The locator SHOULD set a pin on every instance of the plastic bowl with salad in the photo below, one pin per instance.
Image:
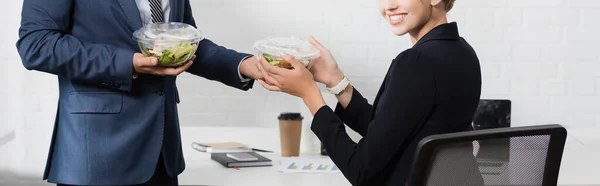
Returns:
(172, 43)
(273, 47)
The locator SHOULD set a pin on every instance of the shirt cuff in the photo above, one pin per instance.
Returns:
(242, 78)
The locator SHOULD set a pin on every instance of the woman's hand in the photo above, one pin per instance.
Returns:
(325, 69)
(297, 81)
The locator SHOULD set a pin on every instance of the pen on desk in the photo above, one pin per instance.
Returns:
(260, 150)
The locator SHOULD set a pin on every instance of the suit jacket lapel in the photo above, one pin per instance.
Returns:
(132, 13)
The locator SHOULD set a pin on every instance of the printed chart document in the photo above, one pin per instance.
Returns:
(308, 165)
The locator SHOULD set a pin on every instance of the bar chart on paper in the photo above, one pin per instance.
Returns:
(308, 165)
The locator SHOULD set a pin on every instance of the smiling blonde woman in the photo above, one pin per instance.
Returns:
(431, 88)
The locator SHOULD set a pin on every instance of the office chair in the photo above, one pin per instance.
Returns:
(458, 159)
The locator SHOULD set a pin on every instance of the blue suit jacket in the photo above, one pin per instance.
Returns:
(110, 128)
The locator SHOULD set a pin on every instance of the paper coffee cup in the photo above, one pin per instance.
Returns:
(290, 131)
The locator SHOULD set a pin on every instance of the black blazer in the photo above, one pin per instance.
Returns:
(432, 88)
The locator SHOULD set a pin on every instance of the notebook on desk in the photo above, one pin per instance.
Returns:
(228, 162)
(221, 147)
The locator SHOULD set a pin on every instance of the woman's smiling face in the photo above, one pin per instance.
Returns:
(405, 15)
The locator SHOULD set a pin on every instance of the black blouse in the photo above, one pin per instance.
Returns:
(432, 88)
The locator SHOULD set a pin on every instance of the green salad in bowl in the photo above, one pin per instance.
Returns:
(172, 43)
(171, 56)
(279, 62)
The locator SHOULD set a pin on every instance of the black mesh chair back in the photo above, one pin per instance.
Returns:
(515, 156)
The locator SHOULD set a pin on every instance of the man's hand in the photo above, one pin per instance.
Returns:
(249, 68)
(148, 65)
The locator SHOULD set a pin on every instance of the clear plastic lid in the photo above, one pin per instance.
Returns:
(275, 46)
(167, 32)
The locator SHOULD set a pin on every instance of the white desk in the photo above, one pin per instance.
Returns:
(581, 158)
(203, 171)
(579, 165)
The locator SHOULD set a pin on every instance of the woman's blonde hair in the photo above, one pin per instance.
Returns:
(449, 5)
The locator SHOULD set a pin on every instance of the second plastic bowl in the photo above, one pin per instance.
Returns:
(271, 49)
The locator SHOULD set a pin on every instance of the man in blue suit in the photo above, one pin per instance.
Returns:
(116, 120)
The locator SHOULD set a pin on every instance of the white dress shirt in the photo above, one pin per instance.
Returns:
(144, 7)
(146, 15)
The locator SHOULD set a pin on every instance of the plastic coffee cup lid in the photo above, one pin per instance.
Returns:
(290, 116)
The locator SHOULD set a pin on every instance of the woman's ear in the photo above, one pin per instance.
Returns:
(435, 3)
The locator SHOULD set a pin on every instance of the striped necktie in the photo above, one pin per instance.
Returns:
(156, 10)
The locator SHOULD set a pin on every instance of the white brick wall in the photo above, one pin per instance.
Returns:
(584, 3)
(12, 86)
(542, 54)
